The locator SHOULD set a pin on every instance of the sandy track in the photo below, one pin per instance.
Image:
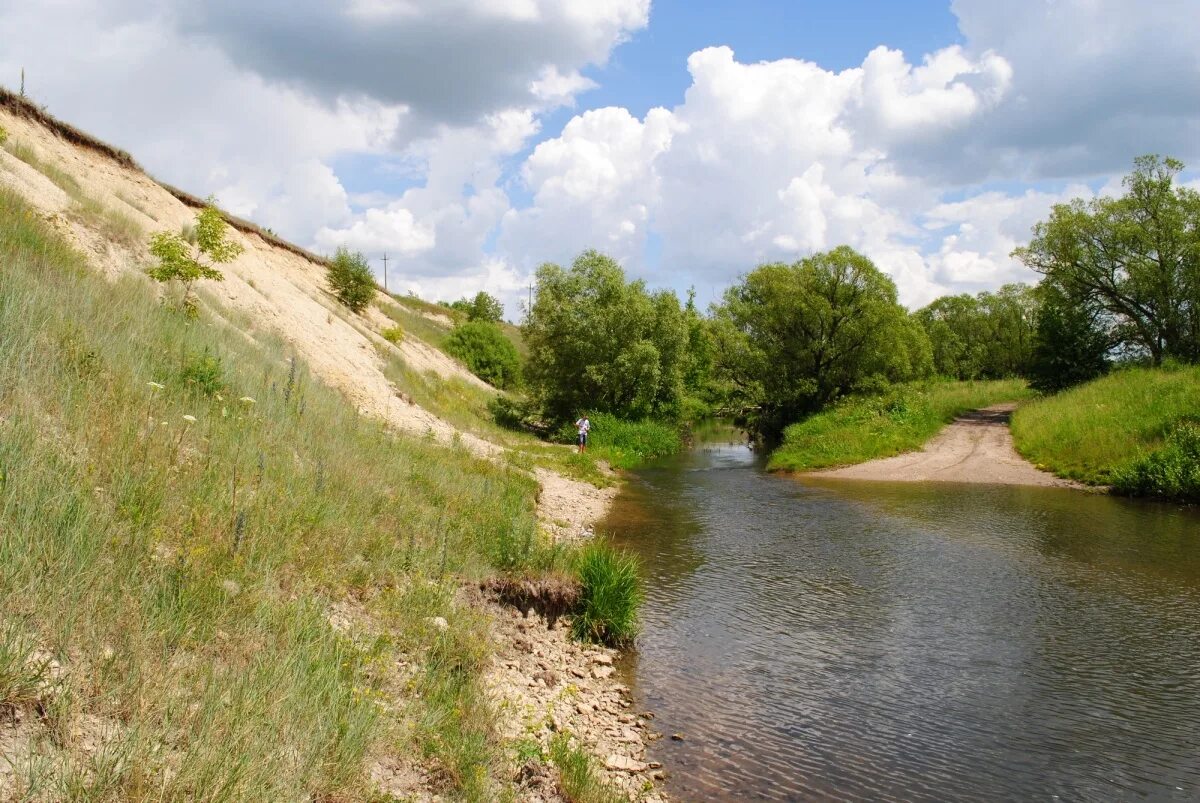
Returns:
(976, 448)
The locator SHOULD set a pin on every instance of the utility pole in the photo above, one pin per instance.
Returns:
(385, 271)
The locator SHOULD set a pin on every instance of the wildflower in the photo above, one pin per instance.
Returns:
(247, 400)
(155, 386)
(191, 419)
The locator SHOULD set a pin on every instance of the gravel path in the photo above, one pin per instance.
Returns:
(977, 448)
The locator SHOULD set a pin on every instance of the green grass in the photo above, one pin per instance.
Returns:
(610, 596)
(180, 570)
(579, 780)
(1091, 432)
(626, 444)
(1171, 472)
(859, 429)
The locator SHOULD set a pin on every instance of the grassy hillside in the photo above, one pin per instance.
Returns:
(901, 420)
(179, 509)
(1091, 432)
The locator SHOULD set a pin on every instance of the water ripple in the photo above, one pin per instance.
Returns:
(875, 642)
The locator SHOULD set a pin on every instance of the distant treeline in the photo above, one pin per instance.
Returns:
(1121, 283)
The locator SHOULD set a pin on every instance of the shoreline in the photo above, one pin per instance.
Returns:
(544, 683)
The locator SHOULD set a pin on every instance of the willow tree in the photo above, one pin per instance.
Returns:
(793, 338)
(600, 343)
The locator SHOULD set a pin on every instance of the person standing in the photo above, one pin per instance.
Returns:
(584, 426)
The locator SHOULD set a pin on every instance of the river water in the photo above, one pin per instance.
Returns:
(879, 641)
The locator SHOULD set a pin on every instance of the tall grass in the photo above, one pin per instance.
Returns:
(626, 444)
(902, 419)
(1171, 472)
(178, 510)
(1089, 433)
(610, 596)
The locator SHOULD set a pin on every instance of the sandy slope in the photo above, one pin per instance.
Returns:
(976, 448)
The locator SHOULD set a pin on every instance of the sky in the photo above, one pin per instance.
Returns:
(472, 140)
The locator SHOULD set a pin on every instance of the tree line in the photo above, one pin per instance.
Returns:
(1120, 283)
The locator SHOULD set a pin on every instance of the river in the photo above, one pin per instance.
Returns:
(879, 641)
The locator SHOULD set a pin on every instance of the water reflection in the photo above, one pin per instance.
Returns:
(910, 642)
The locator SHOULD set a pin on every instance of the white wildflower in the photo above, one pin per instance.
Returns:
(191, 419)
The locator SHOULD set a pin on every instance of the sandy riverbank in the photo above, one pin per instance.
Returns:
(975, 448)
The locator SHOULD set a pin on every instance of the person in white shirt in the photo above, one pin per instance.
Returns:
(584, 426)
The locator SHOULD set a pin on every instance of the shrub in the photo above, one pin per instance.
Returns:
(181, 261)
(487, 352)
(1172, 472)
(203, 374)
(610, 596)
(393, 335)
(3, 135)
(351, 280)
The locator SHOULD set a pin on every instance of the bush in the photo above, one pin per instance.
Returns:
(1172, 472)
(610, 596)
(626, 444)
(3, 136)
(487, 352)
(203, 374)
(351, 280)
(393, 335)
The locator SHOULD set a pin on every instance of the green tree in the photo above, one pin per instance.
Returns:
(487, 352)
(350, 279)
(1136, 258)
(180, 261)
(483, 307)
(1070, 346)
(598, 342)
(793, 338)
(985, 336)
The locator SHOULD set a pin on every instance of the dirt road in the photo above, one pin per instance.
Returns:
(975, 448)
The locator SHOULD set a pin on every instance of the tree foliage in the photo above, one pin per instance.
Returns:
(487, 352)
(987, 336)
(180, 261)
(483, 307)
(792, 338)
(1136, 258)
(350, 279)
(600, 343)
(1069, 345)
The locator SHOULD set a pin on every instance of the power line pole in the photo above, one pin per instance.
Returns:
(385, 271)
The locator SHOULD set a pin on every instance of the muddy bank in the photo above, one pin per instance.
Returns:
(975, 448)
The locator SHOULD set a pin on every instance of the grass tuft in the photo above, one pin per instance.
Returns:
(610, 595)
(579, 780)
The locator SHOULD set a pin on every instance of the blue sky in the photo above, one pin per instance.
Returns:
(474, 139)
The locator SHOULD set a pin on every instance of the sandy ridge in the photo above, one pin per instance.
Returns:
(279, 291)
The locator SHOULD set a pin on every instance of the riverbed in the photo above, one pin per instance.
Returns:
(848, 640)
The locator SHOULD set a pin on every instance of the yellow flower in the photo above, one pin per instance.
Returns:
(155, 386)
(191, 419)
(247, 400)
